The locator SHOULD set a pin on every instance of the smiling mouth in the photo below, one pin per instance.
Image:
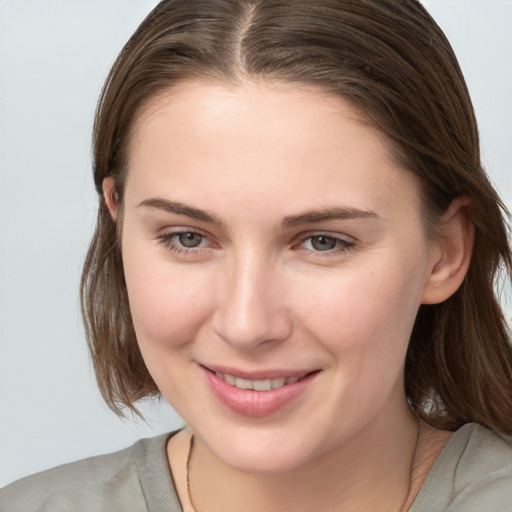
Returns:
(259, 385)
(258, 397)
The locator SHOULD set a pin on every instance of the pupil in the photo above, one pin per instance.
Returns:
(323, 243)
(190, 239)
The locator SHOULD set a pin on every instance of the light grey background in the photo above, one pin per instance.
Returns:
(54, 56)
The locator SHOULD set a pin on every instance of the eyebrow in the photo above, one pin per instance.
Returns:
(336, 213)
(181, 209)
(309, 217)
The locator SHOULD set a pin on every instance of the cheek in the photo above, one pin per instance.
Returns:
(365, 315)
(168, 304)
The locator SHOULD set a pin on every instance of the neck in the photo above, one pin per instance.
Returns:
(370, 470)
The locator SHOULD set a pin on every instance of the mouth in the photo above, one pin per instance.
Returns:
(265, 394)
(260, 384)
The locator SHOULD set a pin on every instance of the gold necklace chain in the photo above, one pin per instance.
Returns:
(401, 509)
(189, 456)
(411, 467)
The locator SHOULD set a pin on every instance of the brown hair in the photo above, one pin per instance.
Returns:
(389, 59)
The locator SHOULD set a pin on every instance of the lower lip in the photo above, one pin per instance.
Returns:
(256, 404)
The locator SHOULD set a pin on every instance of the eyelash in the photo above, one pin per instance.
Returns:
(168, 240)
(341, 245)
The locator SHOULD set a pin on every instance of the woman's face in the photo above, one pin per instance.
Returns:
(270, 242)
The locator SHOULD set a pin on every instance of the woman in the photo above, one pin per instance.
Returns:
(296, 245)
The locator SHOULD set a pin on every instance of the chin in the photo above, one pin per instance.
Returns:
(254, 460)
(261, 451)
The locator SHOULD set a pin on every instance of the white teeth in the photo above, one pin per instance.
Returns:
(243, 383)
(262, 385)
(230, 379)
(278, 383)
(258, 385)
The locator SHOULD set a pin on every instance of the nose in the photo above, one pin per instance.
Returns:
(251, 310)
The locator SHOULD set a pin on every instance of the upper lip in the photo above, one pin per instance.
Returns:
(258, 374)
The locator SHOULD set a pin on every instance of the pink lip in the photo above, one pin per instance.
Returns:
(256, 404)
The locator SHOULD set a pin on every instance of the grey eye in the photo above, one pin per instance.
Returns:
(190, 240)
(323, 243)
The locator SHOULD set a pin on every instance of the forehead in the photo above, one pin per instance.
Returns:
(255, 106)
(261, 141)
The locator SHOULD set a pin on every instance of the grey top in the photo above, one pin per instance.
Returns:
(472, 474)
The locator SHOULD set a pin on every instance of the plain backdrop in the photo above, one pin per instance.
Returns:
(54, 56)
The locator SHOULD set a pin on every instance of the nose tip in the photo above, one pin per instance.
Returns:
(246, 333)
(251, 312)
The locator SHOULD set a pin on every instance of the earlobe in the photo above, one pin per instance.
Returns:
(450, 254)
(110, 196)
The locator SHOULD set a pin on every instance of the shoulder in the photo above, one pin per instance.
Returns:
(473, 473)
(483, 475)
(105, 482)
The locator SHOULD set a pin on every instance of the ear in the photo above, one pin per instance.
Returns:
(450, 253)
(111, 197)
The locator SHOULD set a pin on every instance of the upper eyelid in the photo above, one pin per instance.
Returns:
(303, 235)
(177, 230)
(329, 234)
